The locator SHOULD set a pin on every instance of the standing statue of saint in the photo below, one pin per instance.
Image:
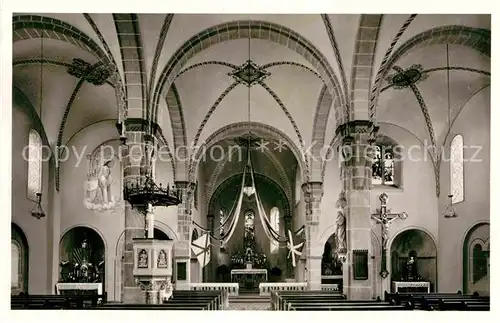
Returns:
(341, 223)
(105, 181)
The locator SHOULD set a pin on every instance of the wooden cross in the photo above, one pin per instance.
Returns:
(385, 218)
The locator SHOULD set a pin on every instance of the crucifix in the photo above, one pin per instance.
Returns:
(385, 218)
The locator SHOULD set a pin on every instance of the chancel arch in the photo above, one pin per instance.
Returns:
(19, 261)
(239, 130)
(413, 257)
(476, 260)
(249, 230)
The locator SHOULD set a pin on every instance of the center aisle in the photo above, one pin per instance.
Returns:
(249, 302)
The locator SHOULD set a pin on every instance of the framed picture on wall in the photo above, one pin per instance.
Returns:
(181, 271)
(360, 264)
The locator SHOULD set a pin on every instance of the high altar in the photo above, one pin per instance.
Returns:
(249, 277)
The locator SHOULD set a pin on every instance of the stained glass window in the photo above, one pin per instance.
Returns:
(383, 166)
(249, 224)
(275, 223)
(457, 168)
(34, 164)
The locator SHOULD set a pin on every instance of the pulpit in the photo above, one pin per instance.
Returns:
(153, 268)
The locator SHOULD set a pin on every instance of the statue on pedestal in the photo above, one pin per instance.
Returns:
(341, 224)
(410, 270)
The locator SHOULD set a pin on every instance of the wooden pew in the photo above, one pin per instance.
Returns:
(439, 301)
(402, 298)
(165, 306)
(431, 302)
(218, 299)
(464, 305)
(321, 301)
(55, 301)
(349, 307)
(181, 300)
(280, 300)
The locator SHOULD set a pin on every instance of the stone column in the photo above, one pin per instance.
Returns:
(54, 232)
(132, 153)
(182, 249)
(356, 182)
(313, 192)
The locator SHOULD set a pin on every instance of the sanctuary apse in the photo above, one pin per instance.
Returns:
(250, 153)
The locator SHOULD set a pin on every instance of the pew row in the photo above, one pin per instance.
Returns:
(321, 301)
(181, 300)
(53, 302)
(440, 301)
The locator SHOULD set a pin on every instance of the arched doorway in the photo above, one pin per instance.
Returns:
(416, 244)
(331, 266)
(19, 260)
(82, 255)
(476, 260)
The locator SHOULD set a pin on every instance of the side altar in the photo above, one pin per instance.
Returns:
(411, 281)
(82, 274)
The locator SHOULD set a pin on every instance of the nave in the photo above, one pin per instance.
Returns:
(251, 161)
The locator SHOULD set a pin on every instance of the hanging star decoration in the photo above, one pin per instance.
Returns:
(294, 249)
(280, 145)
(201, 249)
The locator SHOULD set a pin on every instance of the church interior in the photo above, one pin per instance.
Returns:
(335, 157)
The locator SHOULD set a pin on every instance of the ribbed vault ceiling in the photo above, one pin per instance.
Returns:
(339, 55)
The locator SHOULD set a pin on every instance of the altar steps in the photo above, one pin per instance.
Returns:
(248, 301)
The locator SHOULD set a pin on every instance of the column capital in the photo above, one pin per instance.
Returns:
(185, 185)
(312, 188)
(350, 128)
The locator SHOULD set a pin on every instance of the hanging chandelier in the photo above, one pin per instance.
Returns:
(143, 193)
(449, 212)
(37, 210)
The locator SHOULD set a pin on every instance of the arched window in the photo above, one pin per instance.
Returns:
(34, 164)
(19, 261)
(457, 169)
(275, 224)
(249, 224)
(15, 272)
